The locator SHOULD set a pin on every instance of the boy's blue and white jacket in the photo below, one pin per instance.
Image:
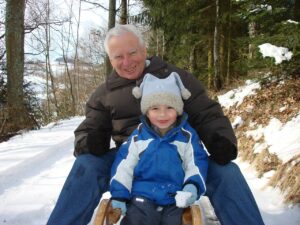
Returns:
(155, 167)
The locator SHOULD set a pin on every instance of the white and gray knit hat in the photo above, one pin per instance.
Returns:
(168, 91)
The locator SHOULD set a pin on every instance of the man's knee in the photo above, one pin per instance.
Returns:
(87, 160)
(93, 169)
(222, 179)
(91, 164)
(223, 171)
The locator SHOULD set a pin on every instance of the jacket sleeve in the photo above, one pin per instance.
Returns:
(123, 168)
(196, 163)
(207, 118)
(93, 135)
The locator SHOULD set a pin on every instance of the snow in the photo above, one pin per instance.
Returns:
(237, 122)
(35, 164)
(38, 85)
(269, 200)
(237, 96)
(292, 21)
(279, 53)
(276, 131)
(280, 139)
(32, 170)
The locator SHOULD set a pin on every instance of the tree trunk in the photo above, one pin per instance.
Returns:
(192, 61)
(210, 65)
(157, 42)
(123, 19)
(224, 13)
(297, 10)
(217, 66)
(111, 24)
(222, 54)
(72, 110)
(228, 72)
(18, 117)
(70, 104)
(192, 58)
(252, 33)
(48, 66)
(78, 108)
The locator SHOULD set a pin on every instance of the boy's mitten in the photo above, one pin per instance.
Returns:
(187, 196)
(119, 205)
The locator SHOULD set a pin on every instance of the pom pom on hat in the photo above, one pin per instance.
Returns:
(137, 92)
(168, 91)
(185, 93)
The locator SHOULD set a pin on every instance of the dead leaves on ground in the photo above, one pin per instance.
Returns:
(280, 100)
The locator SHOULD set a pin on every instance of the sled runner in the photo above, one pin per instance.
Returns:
(106, 215)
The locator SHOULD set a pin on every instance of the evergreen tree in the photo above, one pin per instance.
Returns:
(271, 23)
(183, 34)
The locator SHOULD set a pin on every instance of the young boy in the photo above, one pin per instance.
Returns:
(162, 167)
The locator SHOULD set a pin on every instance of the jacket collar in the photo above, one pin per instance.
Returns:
(115, 81)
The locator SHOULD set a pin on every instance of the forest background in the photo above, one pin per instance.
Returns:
(218, 41)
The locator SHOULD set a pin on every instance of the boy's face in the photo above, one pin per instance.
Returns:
(162, 116)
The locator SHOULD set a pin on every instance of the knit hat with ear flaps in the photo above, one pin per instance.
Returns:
(168, 91)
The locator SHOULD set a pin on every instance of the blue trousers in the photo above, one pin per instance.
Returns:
(89, 177)
(146, 212)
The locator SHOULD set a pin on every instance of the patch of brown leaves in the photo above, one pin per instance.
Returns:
(282, 101)
(287, 179)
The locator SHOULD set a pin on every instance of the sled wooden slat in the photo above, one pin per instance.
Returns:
(106, 215)
(196, 215)
(192, 216)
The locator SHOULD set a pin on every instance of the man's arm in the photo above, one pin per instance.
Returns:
(94, 133)
(207, 118)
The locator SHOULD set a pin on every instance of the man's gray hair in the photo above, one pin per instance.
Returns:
(119, 30)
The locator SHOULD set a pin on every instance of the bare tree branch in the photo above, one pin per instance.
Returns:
(96, 4)
(30, 28)
(3, 54)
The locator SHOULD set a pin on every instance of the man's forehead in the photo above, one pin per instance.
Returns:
(120, 51)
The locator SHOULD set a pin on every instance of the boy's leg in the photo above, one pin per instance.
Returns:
(231, 196)
(80, 195)
(141, 211)
(171, 215)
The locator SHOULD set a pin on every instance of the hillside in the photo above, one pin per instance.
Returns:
(270, 105)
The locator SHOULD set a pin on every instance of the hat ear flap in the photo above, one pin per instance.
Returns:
(185, 93)
(137, 92)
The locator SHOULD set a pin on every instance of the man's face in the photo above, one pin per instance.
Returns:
(127, 56)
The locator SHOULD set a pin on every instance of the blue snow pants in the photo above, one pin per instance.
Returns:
(141, 211)
(89, 178)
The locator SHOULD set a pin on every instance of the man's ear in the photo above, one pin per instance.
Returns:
(145, 52)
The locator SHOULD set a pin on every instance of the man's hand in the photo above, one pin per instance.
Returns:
(97, 145)
(223, 150)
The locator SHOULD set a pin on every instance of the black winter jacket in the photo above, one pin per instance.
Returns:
(113, 112)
